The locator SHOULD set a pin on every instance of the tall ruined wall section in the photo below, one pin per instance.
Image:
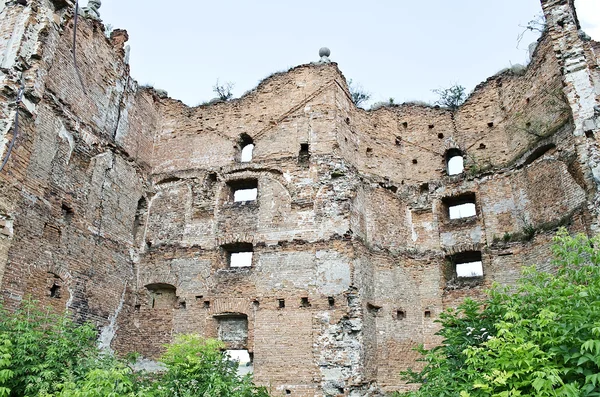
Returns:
(70, 189)
(351, 238)
(120, 205)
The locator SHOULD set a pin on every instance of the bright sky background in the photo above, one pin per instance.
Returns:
(392, 48)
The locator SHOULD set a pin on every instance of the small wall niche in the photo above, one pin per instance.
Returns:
(243, 190)
(281, 303)
(239, 255)
(460, 207)
(304, 154)
(233, 329)
(162, 296)
(454, 162)
(67, 213)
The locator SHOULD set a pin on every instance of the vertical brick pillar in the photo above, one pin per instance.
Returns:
(581, 85)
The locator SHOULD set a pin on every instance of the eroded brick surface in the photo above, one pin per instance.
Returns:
(117, 203)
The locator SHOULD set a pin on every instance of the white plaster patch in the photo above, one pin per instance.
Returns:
(108, 333)
(333, 273)
(64, 134)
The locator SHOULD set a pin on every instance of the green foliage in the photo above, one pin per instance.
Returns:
(48, 355)
(540, 339)
(451, 97)
(198, 367)
(42, 349)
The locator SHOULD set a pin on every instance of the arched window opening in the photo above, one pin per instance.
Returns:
(246, 145)
(454, 162)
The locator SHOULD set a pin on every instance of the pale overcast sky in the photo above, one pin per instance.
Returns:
(392, 48)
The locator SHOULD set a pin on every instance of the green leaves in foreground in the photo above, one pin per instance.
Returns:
(48, 355)
(540, 339)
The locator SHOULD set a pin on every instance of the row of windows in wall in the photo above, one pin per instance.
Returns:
(466, 264)
(454, 157)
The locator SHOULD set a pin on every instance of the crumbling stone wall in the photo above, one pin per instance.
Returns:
(117, 203)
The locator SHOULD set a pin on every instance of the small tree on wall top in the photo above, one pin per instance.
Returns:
(451, 97)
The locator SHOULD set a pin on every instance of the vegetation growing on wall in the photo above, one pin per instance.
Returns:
(540, 339)
(48, 355)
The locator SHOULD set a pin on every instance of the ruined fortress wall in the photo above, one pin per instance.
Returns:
(117, 203)
(73, 181)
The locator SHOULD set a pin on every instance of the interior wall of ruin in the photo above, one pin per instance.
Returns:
(118, 203)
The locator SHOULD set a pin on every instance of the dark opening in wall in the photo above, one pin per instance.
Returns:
(55, 291)
(466, 264)
(490, 124)
(427, 313)
(246, 146)
(138, 221)
(441, 136)
(482, 146)
(405, 124)
(182, 305)
(398, 141)
(243, 190)
(281, 303)
(459, 207)
(206, 304)
(369, 152)
(454, 162)
(424, 188)
(414, 161)
(400, 315)
(539, 152)
(303, 154)
(331, 301)
(288, 391)
(256, 303)
(373, 309)
(304, 302)
(239, 254)
(431, 126)
(67, 213)
(589, 134)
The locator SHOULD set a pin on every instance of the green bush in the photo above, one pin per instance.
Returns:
(48, 355)
(540, 339)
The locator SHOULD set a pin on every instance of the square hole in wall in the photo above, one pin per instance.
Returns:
(462, 206)
(243, 190)
(239, 255)
(467, 264)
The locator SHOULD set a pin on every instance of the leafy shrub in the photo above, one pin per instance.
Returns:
(451, 97)
(48, 355)
(541, 339)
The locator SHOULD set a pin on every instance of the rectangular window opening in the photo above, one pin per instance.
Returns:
(281, 303)
(239, 255)
(460, 207)
(244, 190)
(468, 264)
(304, 302)
(244, 360)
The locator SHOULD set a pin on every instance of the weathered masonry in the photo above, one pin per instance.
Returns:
(319, 239)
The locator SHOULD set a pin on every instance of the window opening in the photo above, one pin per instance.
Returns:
(427, 314)
(247, 153)
(331, 301)
(461, 207)
(281, 303)
(400, 315)
(243, 358)
(239, 255)
(468, 264)
(246, 145)
(244, 190)
(304, 302)
(454, 162)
